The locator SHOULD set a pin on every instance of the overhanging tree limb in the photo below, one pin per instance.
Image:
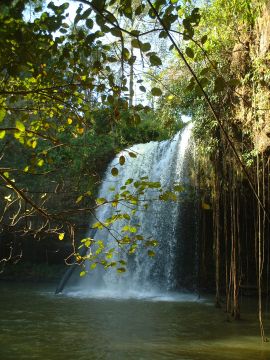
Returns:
(211, 108)
(23, 196)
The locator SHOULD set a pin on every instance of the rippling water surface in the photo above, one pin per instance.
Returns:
(36, 324)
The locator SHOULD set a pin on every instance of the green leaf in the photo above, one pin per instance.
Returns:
(151, 253)
(125, 228)
(93, 266)
(142, 88)
(204, 39)
(151, 243)
(100, 201)
(97, 225)
(82, 273)
(178, 188)
(156, 91)
(122, 262)
(121, 270)
(40, 162)
(86, 14)
(109, 256)
(136, 43)
(155, 60)
(146, 47)
(2, 114)
(139, 10)
(189, 52)
(87, 242)
(116, 32)
(34, 144)
(122, 160)
(89, 23)
(132, 154)
(126, 54)
(204, 81)
(127, 10)
(205, 71)
(163, 34)
(205, 206)
(79, 199)
(61, 236)
(2, 134)
(220, 84)
(20, 126)
(114, 171)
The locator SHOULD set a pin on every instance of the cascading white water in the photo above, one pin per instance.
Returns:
(161, 162)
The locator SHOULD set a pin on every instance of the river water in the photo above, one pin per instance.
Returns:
(36, 324)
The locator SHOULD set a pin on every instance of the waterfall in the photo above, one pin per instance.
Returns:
(162, 162)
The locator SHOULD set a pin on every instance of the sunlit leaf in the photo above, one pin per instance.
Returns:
(20, 126)
(101, 201)
(93, 266)
(2, 114)
(79, 199)
(205, 206)
(80, 130)
(61, 236)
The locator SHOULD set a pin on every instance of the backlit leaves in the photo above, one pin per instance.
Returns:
(61, 236)
(2, 114)
(20, 126)
(155, 60)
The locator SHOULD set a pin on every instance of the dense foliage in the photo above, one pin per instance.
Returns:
(67, 106)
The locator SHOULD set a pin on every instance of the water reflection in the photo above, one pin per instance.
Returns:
(35, 324)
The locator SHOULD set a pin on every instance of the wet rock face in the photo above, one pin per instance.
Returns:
(251, 59)
(263, 30)
(262, 135)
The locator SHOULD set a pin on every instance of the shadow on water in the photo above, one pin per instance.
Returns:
(36, 324)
